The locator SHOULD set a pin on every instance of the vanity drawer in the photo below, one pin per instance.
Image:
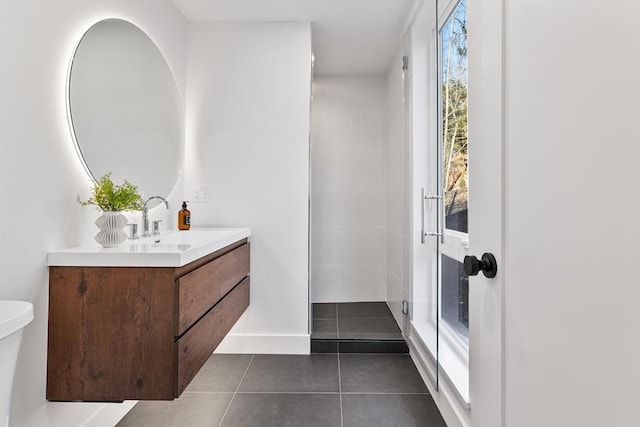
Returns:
(195, 347)
(202, 288)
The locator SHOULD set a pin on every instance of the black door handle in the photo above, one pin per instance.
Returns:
(488, 265)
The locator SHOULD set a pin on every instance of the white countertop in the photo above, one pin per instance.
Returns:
(169, 249)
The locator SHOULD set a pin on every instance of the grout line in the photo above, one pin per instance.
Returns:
(236, 391)
(368, 317)
(384, 393)
(328, 393)
(207, 392)
(355, 317)
(378, 338)
(375, 354)
(283, 392)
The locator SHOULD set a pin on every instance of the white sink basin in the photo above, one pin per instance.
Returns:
(14, 315)
(191, 237)
(169, 249)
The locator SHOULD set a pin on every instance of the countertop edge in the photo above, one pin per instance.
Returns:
(95, 256)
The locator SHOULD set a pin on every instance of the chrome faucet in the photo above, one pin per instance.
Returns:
(145, 214)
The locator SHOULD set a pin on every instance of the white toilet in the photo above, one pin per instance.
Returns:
(14, 316)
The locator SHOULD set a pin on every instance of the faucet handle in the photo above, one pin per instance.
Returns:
(133, 232)
(156, 227)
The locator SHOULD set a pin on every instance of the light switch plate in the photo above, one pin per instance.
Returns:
(200, 194)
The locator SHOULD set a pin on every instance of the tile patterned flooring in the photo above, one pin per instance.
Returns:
(355, 327)
(321, 390)
(354, 320)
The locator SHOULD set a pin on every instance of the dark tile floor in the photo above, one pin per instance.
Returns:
(307, 390)
(355, 327)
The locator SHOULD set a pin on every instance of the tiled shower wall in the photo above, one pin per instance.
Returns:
(348, 189)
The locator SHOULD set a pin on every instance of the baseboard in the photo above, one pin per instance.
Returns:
(77, 414)
(265, 344)
(110, 414)
(455, 414)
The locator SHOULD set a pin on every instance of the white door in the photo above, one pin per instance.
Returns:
(486, 308)
(569, 92)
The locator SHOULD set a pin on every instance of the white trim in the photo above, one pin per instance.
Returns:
(110, 414)
(455, 250)
(81, 414)
(453, 364)
(265, 344)
(453, 339)
(456, 243)
(454, 412)
(445, 10)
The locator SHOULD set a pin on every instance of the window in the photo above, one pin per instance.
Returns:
(454, 292)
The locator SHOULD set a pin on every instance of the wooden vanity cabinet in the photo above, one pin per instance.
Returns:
(140, 333)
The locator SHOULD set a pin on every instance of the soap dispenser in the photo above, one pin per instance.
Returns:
(184, 217)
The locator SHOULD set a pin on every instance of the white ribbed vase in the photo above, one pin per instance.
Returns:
(111, 234)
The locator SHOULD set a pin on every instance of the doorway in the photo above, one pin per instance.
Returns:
(349, 196)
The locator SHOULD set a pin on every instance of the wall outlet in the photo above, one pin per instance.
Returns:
(200, 194)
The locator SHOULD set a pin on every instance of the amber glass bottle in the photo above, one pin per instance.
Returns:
(184, 218)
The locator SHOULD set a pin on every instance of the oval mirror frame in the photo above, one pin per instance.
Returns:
(124, 109)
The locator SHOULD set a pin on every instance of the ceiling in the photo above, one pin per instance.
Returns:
(349, 36)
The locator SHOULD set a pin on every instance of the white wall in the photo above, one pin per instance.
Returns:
(40, 174)
(248, 93)
(348, 189)
(572, 182)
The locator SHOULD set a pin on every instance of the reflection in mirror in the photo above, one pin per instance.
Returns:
(124, 108)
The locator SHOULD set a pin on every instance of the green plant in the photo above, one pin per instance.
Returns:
(109, 197)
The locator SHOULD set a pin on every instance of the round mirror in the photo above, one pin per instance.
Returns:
(125, 110)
